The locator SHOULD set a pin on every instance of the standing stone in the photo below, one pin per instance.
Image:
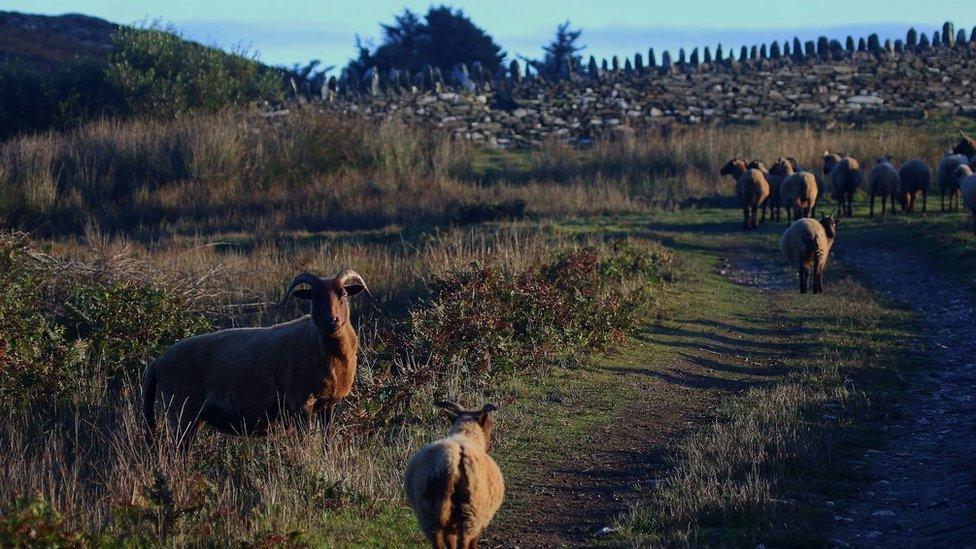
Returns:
(651, 58)
(797, 48)
(862, 46)
(786, 48)
(605, 66)
(849, 43)
(681, 56)
(774, 50)
(836, 50)
(972, 35)
(754, 53)
(888, 46)
(718, 53)
(874, 44)
(948, 32)
(961, 37)
(666, 62)
(707, 55)
(627, 66)
(911, 39)
(373, 78)
(478, 73)
(569, 72)
(923, 42)
(810, 49)
(438, 80)
(592, 69)
(515, 71)
(823, 47)
(743, 54)
(694, 58)
(639, 63)
(763, 54)
(899, 46)
(936, 39)
(615, 61)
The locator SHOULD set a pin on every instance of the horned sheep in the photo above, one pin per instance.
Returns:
(751, 188)
(967, 188)
(913, 178)
(945, 178)
(806, 244)
(246, 380)
(883, 182)
(453, 486)
(845, 177)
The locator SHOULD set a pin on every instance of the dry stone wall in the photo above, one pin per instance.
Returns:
(816, 81)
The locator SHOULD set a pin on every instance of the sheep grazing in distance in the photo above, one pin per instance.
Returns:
(913, 178)
(883, 182)
(945, 178)
(245, 380)
(967, 188)
(806, 244)
(845, 177)
(816, 175)
(773, 201)
(751, 188)
(453, 485)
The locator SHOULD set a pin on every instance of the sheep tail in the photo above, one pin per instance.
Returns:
(149, 402)
(461, 494)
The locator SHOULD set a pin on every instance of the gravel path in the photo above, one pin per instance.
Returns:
(922, 493)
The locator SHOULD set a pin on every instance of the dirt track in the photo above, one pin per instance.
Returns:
(921, 494)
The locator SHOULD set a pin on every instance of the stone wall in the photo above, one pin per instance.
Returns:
(819, 81)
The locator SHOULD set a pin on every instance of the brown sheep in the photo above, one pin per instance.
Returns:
(245, 380)
(816, 175)
(883, 182)
(945, 178)
(773, 202)
(806, 244)
(799, 192)
(845, 177)
(453, 485)
(913, 177)
(751, 188)
(966, 146)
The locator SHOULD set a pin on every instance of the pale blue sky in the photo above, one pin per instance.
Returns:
(287, 31)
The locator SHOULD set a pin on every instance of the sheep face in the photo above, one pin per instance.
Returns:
(966, 146)
(829, 161)
(829, 223)
(793, 163)
(782, 167)
(329, 298)
(461, 418)
(757, 165)
(735, 167)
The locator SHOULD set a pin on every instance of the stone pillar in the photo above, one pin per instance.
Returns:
(515, 71)
(763, 53)
(874, 43)
(911, 39)
(754, 53)
(592, 69)
(615, 61)
(899, 46)
(707, 55)
(797, 48)
(948, 33)
(694, 58)
(743, 54)
(810, 49)
(961, 37)
(936, 39)
(823, 47)
(849, 43)
(923, 42)
(718, 53)
(652, 59)
(639, 63)
(774, 52)
(666, 67)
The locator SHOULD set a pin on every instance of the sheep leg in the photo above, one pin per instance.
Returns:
(803, 279)
(817, 279)
(925, 196)
(871, 214)
(745, 217)
(755, 216)
(974, 221)
(942, 200)
(328, 418)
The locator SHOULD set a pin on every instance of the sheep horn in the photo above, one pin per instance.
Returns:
(964, 135)
(304, 278)
(350, 274)
(450, 406)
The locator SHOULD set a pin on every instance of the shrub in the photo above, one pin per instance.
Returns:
(162, 74)
(62, 324)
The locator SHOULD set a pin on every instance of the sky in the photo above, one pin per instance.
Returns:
(284, 32)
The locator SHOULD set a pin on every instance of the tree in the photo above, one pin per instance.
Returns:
(563, 48)
(443, 39)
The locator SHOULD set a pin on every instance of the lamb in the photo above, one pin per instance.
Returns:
(751, 188)
(913, 178)
(945, 177)
(806, 244)
(845, 177)
(883, 181)
(774, 179)
(246, 380)
(967, 188)
(453, 485)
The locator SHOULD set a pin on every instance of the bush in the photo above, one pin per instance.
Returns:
(161, 74)
(62, 324)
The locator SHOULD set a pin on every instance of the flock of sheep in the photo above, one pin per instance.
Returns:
(255, 380)
(806, 242)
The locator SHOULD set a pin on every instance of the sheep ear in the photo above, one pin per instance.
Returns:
(452, 410)
(304, 278)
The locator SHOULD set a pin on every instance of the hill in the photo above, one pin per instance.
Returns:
(42, 42)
